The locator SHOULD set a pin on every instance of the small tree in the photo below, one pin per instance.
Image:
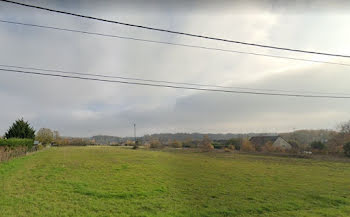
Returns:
(205, 144)
(20, 129)
(346, 148)
(318, 145)
(45, 136)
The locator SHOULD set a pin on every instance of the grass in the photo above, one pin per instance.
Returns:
(112, 181)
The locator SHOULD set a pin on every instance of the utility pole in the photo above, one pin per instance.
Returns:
(135, 133)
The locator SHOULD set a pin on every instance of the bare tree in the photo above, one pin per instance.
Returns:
(56, 137)
(338, 140)
(344, 127)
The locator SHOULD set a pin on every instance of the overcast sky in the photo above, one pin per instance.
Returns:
(86, 108)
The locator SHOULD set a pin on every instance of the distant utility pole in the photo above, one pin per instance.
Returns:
(135, 133)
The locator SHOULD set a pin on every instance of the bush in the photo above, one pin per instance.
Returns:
(318, 145)
(218, 145)
(228, 149)
(188, 143)
(13, 142)
(346, 148)
(295, 144)
(176, 144)
(147, 145)
(136, 145)
(237, 143)
(75, 142)
(40, 147)
(231, 147)
(268, 147)
(205, 144)
(247, 146)
(155, 144)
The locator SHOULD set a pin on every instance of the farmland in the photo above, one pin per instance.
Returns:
(115, 181)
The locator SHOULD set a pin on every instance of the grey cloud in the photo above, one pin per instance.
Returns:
(84, 108)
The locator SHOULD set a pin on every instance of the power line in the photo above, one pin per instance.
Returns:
(175, 32)
(175, 87)
(168, 82)
(170, 43)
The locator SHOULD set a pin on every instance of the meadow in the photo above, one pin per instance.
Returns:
(115, 181)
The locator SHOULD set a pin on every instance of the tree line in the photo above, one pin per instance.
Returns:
(21, 132)
(322, 141)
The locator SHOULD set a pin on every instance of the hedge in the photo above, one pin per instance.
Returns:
(219, 145)
(13, 142)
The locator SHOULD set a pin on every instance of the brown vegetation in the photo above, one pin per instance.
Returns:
(74, 142)
(176, 144)
(206, 144)
(155, 143)
(268, 147)
(7, 153)
(247, 146)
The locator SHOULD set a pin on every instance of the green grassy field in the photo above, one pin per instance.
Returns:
(112, 181)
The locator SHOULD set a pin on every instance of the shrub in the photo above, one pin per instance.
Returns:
(237, 143)
(155, 144)
(75, 142)
(231, 147)
(318, 145)
(13, 142)
(146, 145)
(188, 143)
(218, 145)
(20, 129)
(295, 144)
(176, 144)
(227, 149)
(40, 147)
(205, 144)
(136, 145)
(129, 143)
(346, 148)
(268, 147)
(247, 146)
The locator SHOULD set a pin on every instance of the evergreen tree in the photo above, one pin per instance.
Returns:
(20, 129)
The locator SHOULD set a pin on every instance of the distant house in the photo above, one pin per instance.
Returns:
(277, 141)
